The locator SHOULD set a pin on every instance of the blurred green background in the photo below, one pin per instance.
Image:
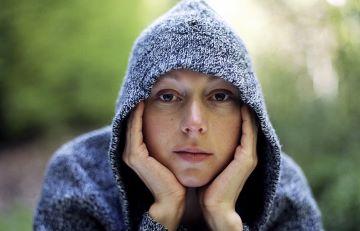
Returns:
(62, 63)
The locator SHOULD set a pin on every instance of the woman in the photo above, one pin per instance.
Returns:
(190, 147)
(192, 127)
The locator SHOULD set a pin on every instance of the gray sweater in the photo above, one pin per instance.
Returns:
(87, 186)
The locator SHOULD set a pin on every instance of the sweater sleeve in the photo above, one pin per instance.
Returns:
(148, 223)
(72, 198)
(294, 207)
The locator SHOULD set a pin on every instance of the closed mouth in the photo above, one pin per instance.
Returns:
(191, 150)
(192, 153)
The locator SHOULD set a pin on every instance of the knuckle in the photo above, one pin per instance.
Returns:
(251, 162)
(125, 158)
(132, 160)
(254, 162)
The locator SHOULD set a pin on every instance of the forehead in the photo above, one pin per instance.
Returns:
(191, 77)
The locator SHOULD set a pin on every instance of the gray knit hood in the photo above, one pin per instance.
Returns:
(193, 36)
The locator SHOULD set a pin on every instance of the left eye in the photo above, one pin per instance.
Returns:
(220, 96)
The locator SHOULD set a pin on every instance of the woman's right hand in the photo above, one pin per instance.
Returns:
(169, 194)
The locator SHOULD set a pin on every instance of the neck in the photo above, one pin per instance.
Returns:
(193, 214)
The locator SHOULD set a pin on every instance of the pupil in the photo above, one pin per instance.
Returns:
(167, 97)
(222, 96)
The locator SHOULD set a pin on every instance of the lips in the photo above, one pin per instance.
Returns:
(194, 150)
(192, 154)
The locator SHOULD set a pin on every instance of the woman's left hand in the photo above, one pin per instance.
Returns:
(218, 199)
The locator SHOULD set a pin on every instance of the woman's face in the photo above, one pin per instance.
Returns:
(188, 111)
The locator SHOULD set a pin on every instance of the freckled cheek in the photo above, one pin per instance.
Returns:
(158, 133)
(227, 129)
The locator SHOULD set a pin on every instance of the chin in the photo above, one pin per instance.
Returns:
(193, 181)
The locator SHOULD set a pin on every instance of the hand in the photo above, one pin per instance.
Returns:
(218, 199)
(169, 194)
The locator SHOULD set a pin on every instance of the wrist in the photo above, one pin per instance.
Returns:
(224, 220)
(167, 214)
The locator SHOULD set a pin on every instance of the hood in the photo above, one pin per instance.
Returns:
(191, 35)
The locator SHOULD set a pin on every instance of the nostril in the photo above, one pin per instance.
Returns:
(187, 130)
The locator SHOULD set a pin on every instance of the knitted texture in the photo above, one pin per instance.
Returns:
(148, 223)
(88, 186)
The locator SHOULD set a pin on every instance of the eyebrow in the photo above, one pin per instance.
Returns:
(213, 80)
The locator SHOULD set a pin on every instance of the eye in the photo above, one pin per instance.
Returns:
(221, 96)
(167, 97)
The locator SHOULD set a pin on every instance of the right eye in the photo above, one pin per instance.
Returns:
(168, 97)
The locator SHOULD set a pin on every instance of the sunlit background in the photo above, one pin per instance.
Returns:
(62, 63)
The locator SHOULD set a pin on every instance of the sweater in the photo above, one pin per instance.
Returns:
(87, 186)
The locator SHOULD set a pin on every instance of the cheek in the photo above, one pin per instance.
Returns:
(157, 131)
(227, 131)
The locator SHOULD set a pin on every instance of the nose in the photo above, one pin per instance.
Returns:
(194, 120)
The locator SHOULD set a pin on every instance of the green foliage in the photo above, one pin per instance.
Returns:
(322, 136)
(63, 62)
(18, 218)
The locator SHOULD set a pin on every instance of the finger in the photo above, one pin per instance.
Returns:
(255, 129)
(130, 121)
(248, 133)
(239, 181)
(136, 125)
(128, 138)
(157, 177)
(128, 126)
(226, 187)
(235, 175)
(129, 145)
